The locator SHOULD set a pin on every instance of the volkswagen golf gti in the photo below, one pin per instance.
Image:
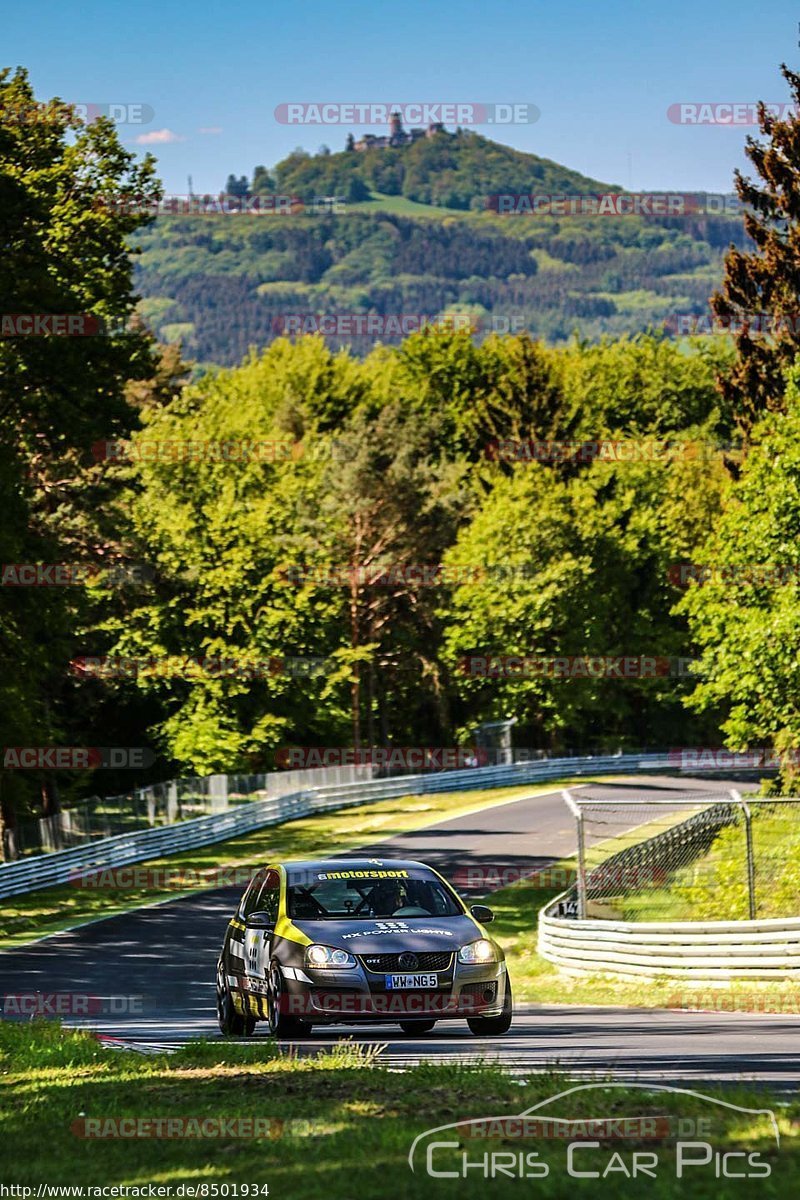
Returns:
(353, 941)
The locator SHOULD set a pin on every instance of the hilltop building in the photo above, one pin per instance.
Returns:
(397, 136)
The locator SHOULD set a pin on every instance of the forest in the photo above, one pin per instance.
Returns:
(389, 514)
(221, 285)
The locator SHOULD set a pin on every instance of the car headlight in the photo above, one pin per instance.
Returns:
(327, 956)
(481, 951)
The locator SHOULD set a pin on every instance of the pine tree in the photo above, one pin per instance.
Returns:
(759, 296)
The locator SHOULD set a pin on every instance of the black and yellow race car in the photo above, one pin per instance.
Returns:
(353, 941)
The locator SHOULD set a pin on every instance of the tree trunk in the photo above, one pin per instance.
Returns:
(8, 824)
(355, 687)
(371, 704)
(51, 801)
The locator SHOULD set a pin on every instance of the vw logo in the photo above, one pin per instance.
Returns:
(408, 961)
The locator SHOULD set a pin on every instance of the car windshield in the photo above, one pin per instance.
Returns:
(363, 895)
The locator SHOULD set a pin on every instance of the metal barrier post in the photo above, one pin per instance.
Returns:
(748, 836)
(578, 815)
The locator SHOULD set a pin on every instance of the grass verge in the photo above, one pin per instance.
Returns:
(714, 887)
(339, 1126)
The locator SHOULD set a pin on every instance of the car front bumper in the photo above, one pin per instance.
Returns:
(330, 996)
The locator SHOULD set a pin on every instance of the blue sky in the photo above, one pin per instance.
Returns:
(602, 74)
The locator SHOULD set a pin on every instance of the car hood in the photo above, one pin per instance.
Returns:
(394, 935)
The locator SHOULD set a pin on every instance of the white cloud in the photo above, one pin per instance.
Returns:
(159, 137)
(210, 129)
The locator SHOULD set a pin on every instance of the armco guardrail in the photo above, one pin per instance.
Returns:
(47, 870)
(689, 950)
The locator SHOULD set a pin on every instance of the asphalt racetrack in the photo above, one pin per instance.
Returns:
(165, 957)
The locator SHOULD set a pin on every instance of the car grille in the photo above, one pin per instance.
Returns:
(435, 960)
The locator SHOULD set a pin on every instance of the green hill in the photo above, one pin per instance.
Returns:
(416, 247)
(450, 170)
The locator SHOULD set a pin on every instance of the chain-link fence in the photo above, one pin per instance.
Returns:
(179, 799)
(162, 804)
(695, 859)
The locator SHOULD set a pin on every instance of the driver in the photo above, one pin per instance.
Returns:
(387, 896)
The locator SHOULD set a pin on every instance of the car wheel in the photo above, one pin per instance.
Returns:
(231, 1023)
(281, 1025)
(412, 1027)
(491, 1026)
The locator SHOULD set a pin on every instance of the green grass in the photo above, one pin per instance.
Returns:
(535, 979)
(642, 299)
(714, 887)
(338, 1125)
(403, 207)
(546, 262)
(50, 910)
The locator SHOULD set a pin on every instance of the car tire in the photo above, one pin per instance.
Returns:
(231, 1023)
(280, 1024)
(492, 1026)
(414, 1027)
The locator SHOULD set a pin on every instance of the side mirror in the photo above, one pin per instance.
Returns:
(260, 920)
(482, 913)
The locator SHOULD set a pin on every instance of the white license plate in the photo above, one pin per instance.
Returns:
(411, 981)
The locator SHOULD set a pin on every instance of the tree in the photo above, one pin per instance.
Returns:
(70, 195)
(263, 182)
(577, 568)
(745, 615)
(357, 190)
(223, 532)
(759, 296)
(392, 506)
(237, 187)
